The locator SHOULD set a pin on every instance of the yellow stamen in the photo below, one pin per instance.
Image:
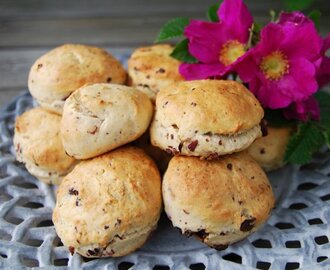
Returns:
(275, 65)
(230, 51)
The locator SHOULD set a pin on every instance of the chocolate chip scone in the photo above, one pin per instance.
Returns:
(206, 118)
(108, 206)
(221, 201)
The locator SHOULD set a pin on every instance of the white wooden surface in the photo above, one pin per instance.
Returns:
(28, 28)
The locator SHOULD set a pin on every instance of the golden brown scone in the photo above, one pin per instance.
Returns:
(269, 150)
(56, 74)
(100, 117)
(206, 118)
(38, 145)
(108, 206)
(152, 68)
(220, 201)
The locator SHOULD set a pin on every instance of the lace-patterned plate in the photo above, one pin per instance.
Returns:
(296, 235)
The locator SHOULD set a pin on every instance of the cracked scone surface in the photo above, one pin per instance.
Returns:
(221, 201)
(100, 117)
(206, 118)
(38, 145)
(269, 151)
(59, 72)
(152, 68)
(108, 205)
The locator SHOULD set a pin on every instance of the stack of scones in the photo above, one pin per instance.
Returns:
(96, 127)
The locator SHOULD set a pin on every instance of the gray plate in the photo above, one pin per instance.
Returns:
(296, 235)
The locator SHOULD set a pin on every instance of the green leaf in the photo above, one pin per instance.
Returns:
(308, 139)
(315, 15)
(181, 52)
(326, 135)
(172, 29)
(291, 5)
(325, 117)
(323, 98)
(212, 13)
(273, 15)
(254, 34)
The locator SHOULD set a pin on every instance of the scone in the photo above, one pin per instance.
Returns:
(206, 118)
(56, 74)
(221, 201)
(38, 145)
(100, 117)
(152, 68)
(269, 150)
(108, 206)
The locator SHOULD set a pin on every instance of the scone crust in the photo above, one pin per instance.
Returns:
(56, 74)
(152, 68)
(100, 117)
(208, 106)
(38, 144)
(225, 199)
(107, 201)
(269, 150)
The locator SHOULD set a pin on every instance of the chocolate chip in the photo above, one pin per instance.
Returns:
(110, 253)
(171, 150)
(220, 142)
(118, 222)
(172, 136)
(77, 202)
(229, 166)
(201, 234)
(263, 126)
(186, 212)
(222, 233)
(208, 133)
(39, 66)
(193, 104)
(161, 70)
(248, 224)
(262, 151)
(106, 227)
(192, 146)
(73, 191)
(188, 233)
(180, 146)
(146, 86)
(71, 249)
(175, 126)
(240, 202)
(148, 77)
(109, 79)
(252, 177)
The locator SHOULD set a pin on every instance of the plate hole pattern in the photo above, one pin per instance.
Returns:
(301, 216)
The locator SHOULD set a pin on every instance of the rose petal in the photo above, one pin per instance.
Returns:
(205, 40)
(237, 18)
(303, 72)
(201, 71)
(303, 110)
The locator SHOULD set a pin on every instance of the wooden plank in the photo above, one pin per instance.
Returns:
(7, 95)
(102, 31)
(13, 10)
